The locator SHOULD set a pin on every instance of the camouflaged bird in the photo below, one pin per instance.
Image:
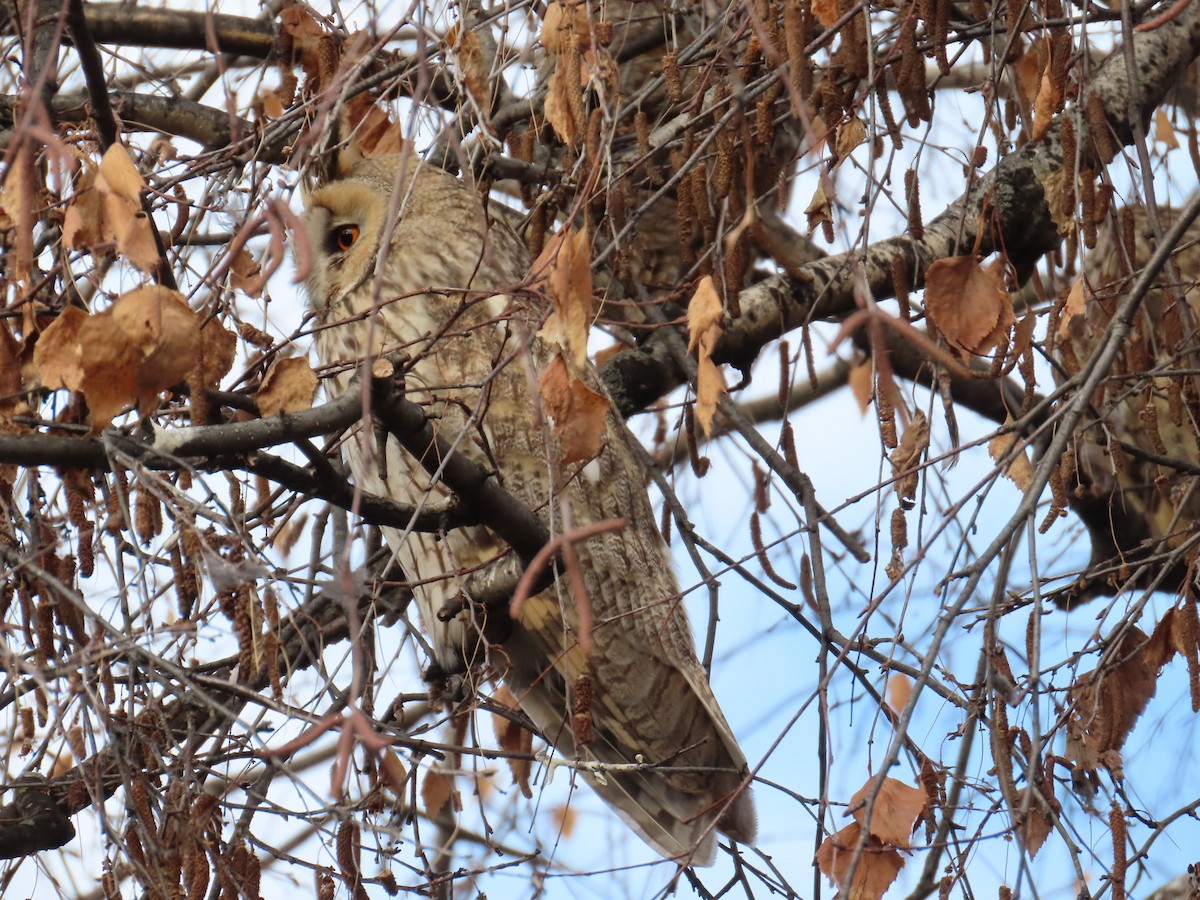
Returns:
(1137, 452)
(438, 294)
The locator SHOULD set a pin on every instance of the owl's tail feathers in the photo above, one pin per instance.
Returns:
(644, 806)
(740, 819)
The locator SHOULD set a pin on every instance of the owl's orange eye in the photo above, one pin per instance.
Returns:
(345, 236)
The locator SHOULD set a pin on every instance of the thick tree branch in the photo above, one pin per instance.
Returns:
(175, 29)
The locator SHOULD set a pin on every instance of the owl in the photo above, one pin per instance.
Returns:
(405, 258)
(1137, 449)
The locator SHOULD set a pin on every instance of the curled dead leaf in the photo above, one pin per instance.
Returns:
(245, 274)
(899, 689)
(106, 207)
(894, 812)
(1164, 132)
(906, 459)
(577, 412)
(562, 20)
(514, 739)
(819, 210)
(703, 312)
(862, 384)
(1045, 105)
(564, 268)
(827, 12)
(392, 772)
(289, 387)
(1019, 470)
(118, 175)
(1106, 702)
(557, 106)
(968, 304)
(877, 866)
(705, 315)
(10, 377)
(850, 135)
(468, 53)
(146, 342)
(1075, 307)
(218, 348)
(436, 788)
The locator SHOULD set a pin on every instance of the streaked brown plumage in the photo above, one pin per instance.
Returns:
(1136, 507)
(437, 295)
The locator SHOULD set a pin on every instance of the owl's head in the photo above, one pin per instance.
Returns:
(343, 223)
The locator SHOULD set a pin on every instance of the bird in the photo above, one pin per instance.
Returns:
(1137, 451)
(404, 257)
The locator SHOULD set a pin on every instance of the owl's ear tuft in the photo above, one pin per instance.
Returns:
(345, 159)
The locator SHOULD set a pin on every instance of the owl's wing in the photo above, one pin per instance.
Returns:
(649, 700)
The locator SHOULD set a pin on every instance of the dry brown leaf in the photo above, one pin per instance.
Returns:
(1023, 333)
(850, 135)
(468, 52)
(907, 457)
(1075, 306)
(564, 818)
(564, 267)
(877, 867)
(271, 103)
(147, 341)
(56, 354)
(710, 383)
(1045, 105)
(245, 274)
(557, 106)
(436, 788)
(306, 34)
(289, 387)
(827, 12)
(819, 210)
(578, 412)
(705, 314)
(894, 813)
(1105, 704)
(1020, 470)
(1040, 823)
(118, 175)
(512, 738)
(10, 376)
(375, 134)
(107, 207)
(899, 690)
(21, 189)
(83, 227)
(1028, 70)
(862, 384)
(130, 228)
(704, 311)
(392, 772)
(604, 354)
(218, 348)
(120, 185)
(1059, 200)
(563, 20)
(1164, 132)
(968, 304)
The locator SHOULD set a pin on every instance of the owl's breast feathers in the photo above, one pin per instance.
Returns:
(475, 354)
